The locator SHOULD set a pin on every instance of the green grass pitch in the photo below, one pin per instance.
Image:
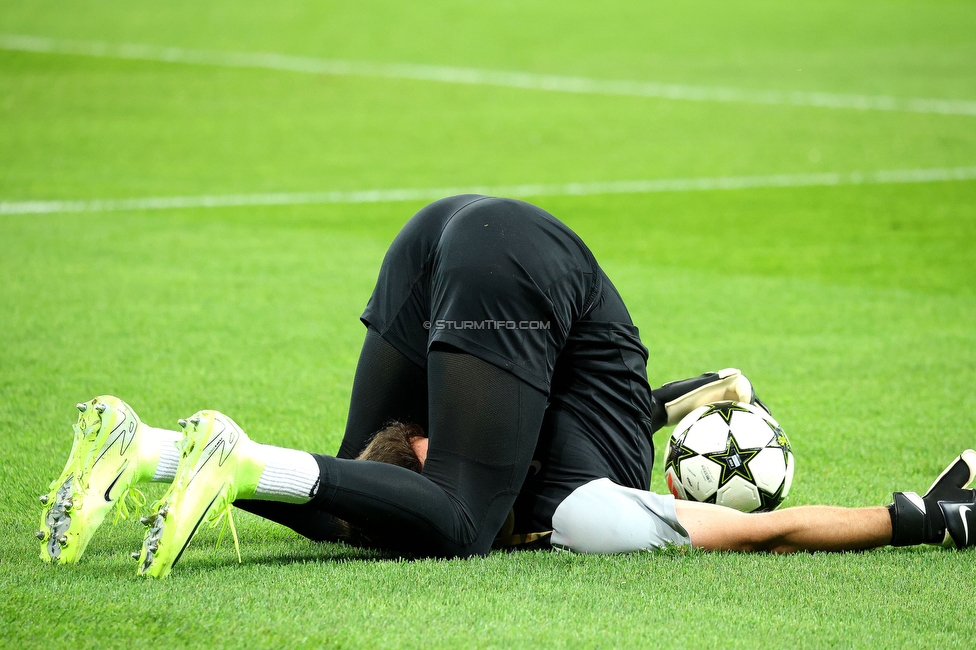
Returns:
(853, 308)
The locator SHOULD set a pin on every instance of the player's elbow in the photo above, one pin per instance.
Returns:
(768, 534)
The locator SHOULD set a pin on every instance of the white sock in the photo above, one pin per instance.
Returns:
(161, 444)
(289, 475)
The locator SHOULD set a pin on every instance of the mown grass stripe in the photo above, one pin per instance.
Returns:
(527, 190)
(474, 76)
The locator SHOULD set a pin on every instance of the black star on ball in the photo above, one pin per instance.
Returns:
(734, 461)
(724, 409)
(769, 502)
(678, 453)
(779, 441)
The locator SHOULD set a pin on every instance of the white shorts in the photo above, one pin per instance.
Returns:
(603, 517)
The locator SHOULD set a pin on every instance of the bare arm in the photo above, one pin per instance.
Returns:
(803, 528)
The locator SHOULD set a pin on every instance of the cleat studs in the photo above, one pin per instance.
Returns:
(40, 535)
(145, 521)
(44, 499)
(163, 511)
(182, 423)
(81, 406)
(68, 504)
(100, 407)
(63, 540)
(135, 555)
(195, 420)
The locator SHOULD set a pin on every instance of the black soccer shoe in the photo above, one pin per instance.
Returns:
(946, 515)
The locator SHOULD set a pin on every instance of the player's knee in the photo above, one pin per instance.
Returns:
(603, 517)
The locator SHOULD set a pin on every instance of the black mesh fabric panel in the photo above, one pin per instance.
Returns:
(484, 424)
(388, 386)
(302, 518)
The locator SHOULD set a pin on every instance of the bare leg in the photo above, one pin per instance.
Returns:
(803, 528)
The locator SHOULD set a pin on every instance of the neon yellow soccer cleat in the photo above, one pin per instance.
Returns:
(102, 468)
(215, 469)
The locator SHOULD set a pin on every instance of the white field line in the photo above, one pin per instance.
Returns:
(472, 76)
(517, 191)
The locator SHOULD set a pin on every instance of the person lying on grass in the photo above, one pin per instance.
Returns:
(493, 330)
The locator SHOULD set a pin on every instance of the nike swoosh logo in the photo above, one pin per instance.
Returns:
(193, 532)
(965, 523)
(114, 481)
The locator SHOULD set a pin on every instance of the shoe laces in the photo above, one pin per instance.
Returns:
(224, 514)
(130, 504)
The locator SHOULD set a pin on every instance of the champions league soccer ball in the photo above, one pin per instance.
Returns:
(731, 454)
